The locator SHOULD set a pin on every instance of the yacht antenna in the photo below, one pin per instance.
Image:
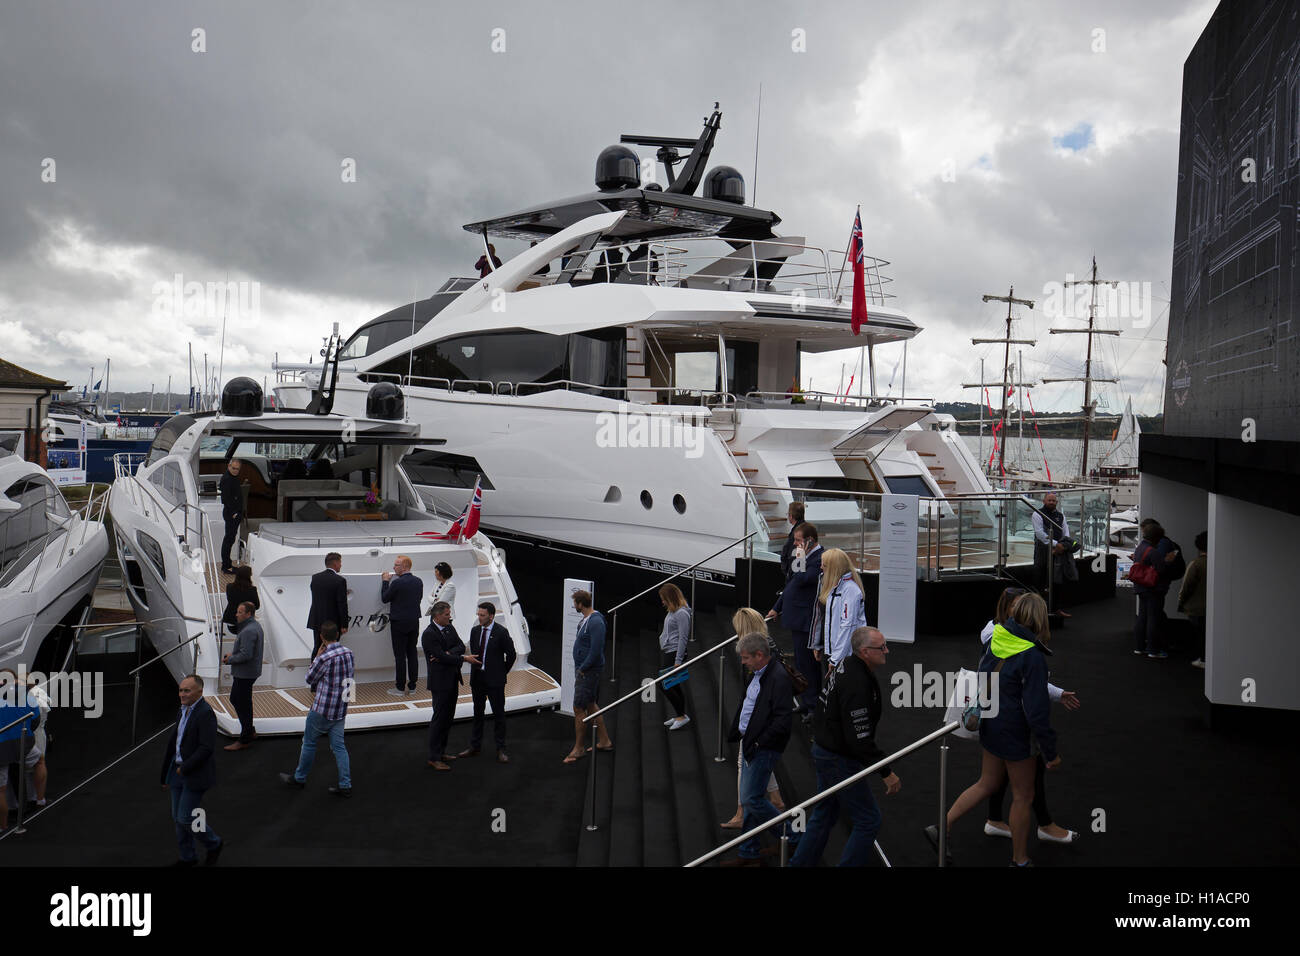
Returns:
(691, 174)
(225, 304)
(758, 125)
(1088, 410)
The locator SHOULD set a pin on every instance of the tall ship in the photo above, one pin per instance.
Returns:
(627, 385)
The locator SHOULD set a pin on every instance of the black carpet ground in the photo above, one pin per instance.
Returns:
(1144, 778)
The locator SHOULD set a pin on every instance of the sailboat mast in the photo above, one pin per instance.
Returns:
(1008, 380)
(1087, 376)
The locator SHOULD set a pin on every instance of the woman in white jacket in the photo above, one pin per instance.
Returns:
(444, 590)
(840, 609)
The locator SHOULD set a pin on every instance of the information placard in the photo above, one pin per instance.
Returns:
(898, 521)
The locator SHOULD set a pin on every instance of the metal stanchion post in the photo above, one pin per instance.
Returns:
(959, 533)
(785, 843)
(22, 776)
(722, 664)
(613, 648)
(135, 706)
(693, 611)
(591, 823)
(943, 800)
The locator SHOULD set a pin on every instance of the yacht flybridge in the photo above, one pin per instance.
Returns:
(627, 385)
(50, 559)
(314, 482)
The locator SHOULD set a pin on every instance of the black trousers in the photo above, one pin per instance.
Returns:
(241, 698)
(405, 656)
(674, 694)
(315, 648)
(228, 542)
(483, 694)
(810, 668)
(1040, 796)
(444, 709)
(1148, 629)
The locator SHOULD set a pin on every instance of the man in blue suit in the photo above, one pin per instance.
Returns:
(795, 605)
(404, 591)
(188, 770)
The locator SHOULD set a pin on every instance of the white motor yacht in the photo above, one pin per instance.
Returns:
(627, 386)
(314, 484)
(50, 559)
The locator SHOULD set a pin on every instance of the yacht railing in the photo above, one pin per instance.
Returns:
(775, 266)
(802, 808)
(22, 761)
(985, 532)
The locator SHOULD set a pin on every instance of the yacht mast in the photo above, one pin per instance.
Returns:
(1008, 377)
(1087, 379)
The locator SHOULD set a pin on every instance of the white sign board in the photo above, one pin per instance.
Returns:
(81, 439)
(898, 520)
(571, 618)
(67, 477)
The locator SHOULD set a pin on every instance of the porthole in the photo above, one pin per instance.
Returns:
(680, 504)
(647, 502)
(613, 495)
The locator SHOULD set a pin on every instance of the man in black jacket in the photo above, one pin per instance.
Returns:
(762, 726)
(844, 743)
(795, 515)
(403, 591)
(188, 770)
(232, 510)
(492, 656)
(445, 653)
(329, 599)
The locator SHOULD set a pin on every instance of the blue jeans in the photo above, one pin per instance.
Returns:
(184, 802)
(758, 809)
(318, 726)
(857, 799)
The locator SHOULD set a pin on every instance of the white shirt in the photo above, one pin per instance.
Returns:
(751, 697)
(1041, 533)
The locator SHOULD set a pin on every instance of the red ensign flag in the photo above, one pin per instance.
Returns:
(859, 284)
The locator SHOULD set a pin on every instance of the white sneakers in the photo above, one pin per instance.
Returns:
(678, 723)
(1199, 664)
(394, 692)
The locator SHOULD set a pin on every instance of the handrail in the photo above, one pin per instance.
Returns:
(641, 690)
(24, 717)
(681, 572)
(815, 798)
(189, 640)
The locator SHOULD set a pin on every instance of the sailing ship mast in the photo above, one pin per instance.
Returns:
(1007, 382)
(1088, 410)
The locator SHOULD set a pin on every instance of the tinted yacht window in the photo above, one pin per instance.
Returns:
(489, 356)
(597, 357)
(443, 469)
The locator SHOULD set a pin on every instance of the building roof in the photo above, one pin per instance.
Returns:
(15, 376)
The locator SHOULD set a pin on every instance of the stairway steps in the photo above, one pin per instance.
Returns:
(658, 786)
(624, 820)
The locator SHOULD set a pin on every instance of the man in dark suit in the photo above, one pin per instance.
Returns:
(795, 605)
(329, 599)
(404, 591)
(795, 516)
(494, 654)
(232, 510)
(762, 727)
(445, 652)
(188, 770)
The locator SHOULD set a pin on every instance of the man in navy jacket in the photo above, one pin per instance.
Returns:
(795, 605)
(329, 599)
(492, 654)
(404, 591)
(188, 770)
(445, 653)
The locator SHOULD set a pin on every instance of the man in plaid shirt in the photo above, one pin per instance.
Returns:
(331, 677)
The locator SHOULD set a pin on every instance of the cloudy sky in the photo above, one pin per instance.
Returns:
(990, 145)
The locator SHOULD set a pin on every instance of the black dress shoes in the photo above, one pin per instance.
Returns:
(341, 791)
(289, 780)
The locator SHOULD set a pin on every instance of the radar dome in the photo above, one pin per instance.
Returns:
(617, 167)
(385, 402)
(241, 398)
(726, 184)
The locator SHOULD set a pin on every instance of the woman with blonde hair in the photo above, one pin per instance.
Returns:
(1016, 654)
(840, 609)
(672, 645)
(748, 621)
